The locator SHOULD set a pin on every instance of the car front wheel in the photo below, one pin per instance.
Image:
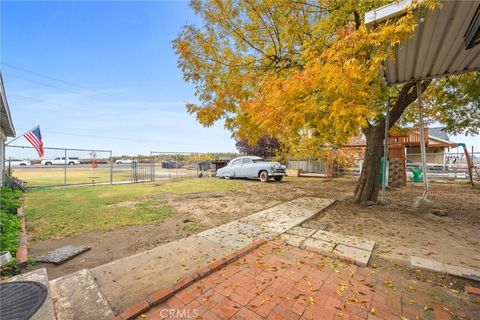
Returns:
(278, 178)
(263, 176)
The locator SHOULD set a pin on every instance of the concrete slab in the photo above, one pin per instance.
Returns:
(62, 254)
(301, 231)
(463, 272)
(361, 257)
(46, 311)
(427, 264)
(236, 234)
(328, 236)
(77, 297)
(287, 215)
(129, 280)
(350, 241)
(318, 245)
(292, 240)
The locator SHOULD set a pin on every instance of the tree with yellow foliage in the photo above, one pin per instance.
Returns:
(305, 72)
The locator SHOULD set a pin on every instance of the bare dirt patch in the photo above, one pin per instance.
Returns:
(401, 232)
(398, 230)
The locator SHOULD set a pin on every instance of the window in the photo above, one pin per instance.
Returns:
(258, 160)
(246, 161)
(236, 162)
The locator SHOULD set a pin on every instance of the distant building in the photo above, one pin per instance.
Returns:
(437, 145)
(6, 128)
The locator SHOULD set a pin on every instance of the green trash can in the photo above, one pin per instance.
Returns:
(417, 175)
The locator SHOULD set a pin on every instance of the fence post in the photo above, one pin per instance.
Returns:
(176, 165)
(111, 167)
(65, 169)
(152, 169)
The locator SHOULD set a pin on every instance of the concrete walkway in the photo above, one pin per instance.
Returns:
(276, 281)
(131, 279)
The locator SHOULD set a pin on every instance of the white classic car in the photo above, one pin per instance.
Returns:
(252, 167)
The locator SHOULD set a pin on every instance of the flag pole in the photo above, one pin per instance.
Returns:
(22, 135)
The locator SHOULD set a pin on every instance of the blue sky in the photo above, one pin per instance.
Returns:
(121, 50)
(127, 94)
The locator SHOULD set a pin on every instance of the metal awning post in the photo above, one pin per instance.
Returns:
(423, 150)
(385, 150)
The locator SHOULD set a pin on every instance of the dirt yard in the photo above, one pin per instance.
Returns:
(398, 230)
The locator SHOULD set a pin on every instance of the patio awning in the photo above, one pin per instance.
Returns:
(439, 46)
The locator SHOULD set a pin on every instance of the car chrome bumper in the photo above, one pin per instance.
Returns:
(278, 172)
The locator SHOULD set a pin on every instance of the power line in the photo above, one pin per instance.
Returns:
(112, 138)
(38, 100)
(52, 86)
(59, 80)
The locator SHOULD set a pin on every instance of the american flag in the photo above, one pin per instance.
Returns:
(35, 138)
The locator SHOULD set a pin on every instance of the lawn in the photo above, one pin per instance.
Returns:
(57, 213)
(36, 176)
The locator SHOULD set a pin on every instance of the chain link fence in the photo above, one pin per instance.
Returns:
(170, 165)
(64, 166)
(61, 167)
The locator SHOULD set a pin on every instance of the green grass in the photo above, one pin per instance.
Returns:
(57, 213)
(54, 176)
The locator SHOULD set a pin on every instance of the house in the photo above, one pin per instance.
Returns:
(6, 128)
(437, 146)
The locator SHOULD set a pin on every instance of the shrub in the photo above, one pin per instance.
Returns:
(10, 224)
(10, 232)
(9, 200)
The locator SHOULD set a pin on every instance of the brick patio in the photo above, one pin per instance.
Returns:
(276, 281)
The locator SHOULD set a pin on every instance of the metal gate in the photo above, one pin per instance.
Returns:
(143, 169)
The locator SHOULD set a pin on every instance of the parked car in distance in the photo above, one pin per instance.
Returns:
(125, 161)
(17, 162)
(61, 161)
(252, 167)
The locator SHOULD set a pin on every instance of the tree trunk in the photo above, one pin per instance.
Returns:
(369, 182)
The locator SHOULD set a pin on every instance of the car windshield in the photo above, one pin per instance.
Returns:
(258, 160)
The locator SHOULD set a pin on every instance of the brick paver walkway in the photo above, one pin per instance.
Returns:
(277, 281)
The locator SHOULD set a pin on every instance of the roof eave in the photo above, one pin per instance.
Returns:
(386, 12)
(6, 122)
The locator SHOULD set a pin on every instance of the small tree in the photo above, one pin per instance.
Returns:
(265, 147)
